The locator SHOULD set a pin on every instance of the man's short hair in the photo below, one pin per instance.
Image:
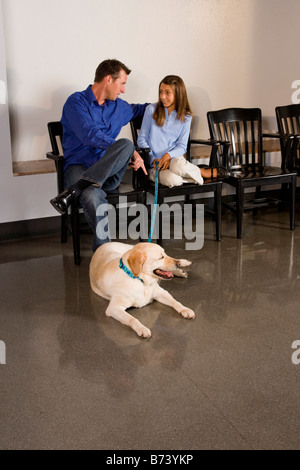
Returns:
(110, 67)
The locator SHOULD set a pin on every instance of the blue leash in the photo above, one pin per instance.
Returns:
(121, 264)
(155, 204)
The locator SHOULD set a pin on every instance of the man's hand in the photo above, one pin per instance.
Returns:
(163, 163)
(137, 162)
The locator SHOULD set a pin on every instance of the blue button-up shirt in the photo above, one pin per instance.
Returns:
(89, 128)
(171, 138)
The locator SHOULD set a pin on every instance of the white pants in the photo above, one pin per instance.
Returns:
(180, 171)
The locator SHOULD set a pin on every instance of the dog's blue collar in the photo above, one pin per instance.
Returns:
(127, 271)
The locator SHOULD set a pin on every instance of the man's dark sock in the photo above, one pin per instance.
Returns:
(80, 186)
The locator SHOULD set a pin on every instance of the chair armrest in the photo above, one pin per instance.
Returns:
(286, 137)
(141, 149)
(277, 135)
(144, 153)
(139, 179)
(288, 153)
(210, 142)
(215, 155)
(55, 157)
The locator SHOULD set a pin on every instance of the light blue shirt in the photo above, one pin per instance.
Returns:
(171, 138)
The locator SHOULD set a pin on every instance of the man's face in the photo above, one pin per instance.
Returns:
(117, 86)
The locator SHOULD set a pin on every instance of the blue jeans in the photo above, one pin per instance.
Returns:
(105, 176)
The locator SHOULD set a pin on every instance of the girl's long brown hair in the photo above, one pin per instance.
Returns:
(182, 106)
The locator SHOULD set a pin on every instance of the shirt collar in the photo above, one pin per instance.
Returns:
(173, 113)
(92, 99)
(90, 95)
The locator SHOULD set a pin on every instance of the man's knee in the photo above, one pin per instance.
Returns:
(125, 145)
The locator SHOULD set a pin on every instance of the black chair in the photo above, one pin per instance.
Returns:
(288, 122)
(187, 189)
(244, 158)
(71, 222)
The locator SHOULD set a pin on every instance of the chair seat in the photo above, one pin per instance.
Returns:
(253, 172)
(187, 188)
(297, 169)
(125, 188)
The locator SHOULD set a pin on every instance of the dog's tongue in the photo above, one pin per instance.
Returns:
(165, 273)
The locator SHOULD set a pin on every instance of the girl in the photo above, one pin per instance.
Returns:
(165, 130)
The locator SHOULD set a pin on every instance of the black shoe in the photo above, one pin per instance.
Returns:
(219, 173)
(63, 200)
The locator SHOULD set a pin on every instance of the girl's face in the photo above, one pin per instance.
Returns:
(167, 97)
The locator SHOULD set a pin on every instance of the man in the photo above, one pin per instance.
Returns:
(95, 161)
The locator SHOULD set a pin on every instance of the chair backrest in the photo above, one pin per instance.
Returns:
(288, 122)
(242, 127)
(135, 126)
(288, 119)
(55, 130)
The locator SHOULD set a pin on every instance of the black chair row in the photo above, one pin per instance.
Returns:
(236, 138)
(236, 141)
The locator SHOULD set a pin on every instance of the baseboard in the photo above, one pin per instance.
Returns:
(29, 228)
(51, 225)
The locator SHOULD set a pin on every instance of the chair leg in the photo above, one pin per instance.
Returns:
(75, 233)
(293, 201)
(63, 228)
(239, 210)
(257, 192)
(218, 211)
(141, 199)
(160, 222)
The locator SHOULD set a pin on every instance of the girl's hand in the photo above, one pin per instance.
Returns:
(163, 163)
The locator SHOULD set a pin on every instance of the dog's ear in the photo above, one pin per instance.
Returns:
(136, 260)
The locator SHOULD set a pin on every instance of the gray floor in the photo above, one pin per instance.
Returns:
(74, 379)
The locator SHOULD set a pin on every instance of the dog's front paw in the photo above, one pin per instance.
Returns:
(180, 273)
(183, 262)
(187, 313)
(143, 331)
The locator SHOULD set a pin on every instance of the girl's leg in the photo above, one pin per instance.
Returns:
(167, 178)
(180, 166)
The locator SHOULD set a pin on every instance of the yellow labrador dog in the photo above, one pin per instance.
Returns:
(128, 276)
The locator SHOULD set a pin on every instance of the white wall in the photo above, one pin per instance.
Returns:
(54, 46)
(26, 197)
